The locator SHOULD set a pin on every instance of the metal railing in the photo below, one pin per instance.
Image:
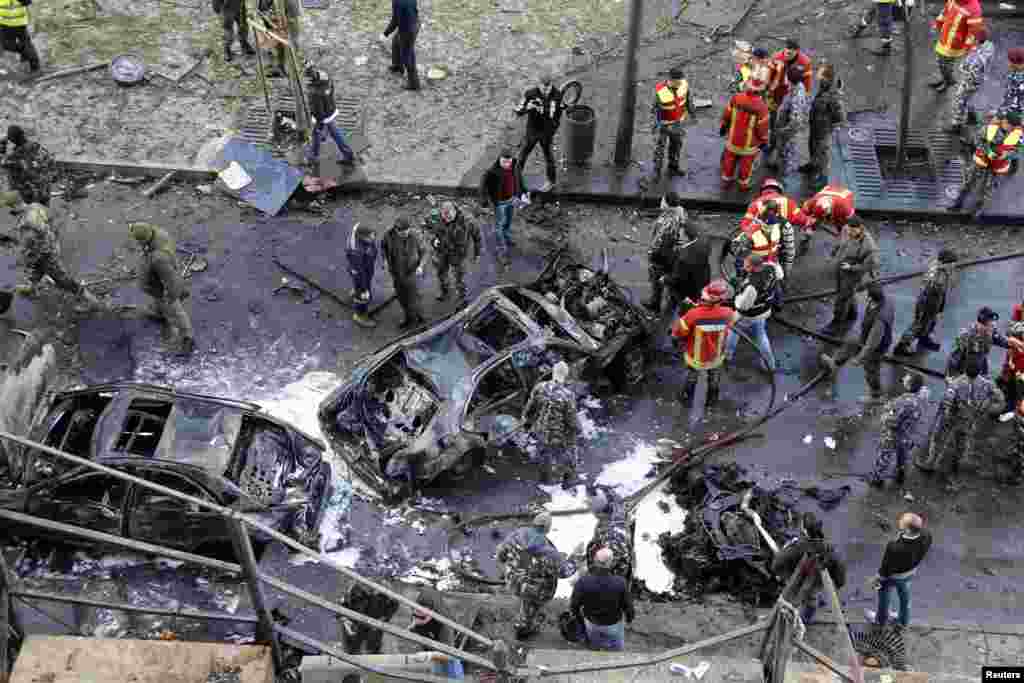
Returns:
(268, 630)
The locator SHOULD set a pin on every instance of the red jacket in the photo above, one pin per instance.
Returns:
(788, 209)
(996, 157)
(702, 333)
(778, 84)
(842, 205)
(746, 121)
(957, 25)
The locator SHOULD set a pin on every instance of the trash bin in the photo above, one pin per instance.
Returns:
(580, 123)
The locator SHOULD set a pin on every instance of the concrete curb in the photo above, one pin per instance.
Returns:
(700, 201)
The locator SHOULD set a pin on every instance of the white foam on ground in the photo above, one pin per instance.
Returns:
(651, 522)
(629, 475)
(346, 557)
(569, 531)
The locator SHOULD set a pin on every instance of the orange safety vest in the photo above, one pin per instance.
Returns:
(671, 102)
(997, 158)
(957, 25)
(788, 209)
(765, 242)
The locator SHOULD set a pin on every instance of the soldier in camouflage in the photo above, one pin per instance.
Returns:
(1013, 87)
(40, 255)
(899, 421)
(554, 423)
(969, 399)
(978, 340)
(450, 234)
(931, 302)
(1016, 474)
(31, 169)
(826, 113)
(793, 118)
(972, 76)
(532, 566)
(668, 237)
(612, 532)
(161, 278)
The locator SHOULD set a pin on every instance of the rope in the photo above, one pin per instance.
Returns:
(788, 611)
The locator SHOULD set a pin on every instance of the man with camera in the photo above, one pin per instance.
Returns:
(542, 106)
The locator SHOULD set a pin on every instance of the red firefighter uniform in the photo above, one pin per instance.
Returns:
(996, 157)
(745, 128)
(702, 333)
(789, 210)
(957, 24)
(834, 204)
(778, 84)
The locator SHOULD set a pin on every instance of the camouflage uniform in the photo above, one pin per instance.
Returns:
(532, 569)
(40, 250)
(972, 71)
(931, 301)
(669, 235)
(31, 171)
(160, 277)
(1013, 94)
(826, 113)
(971, 341)
(965, 405)
(899, 420)
(793, 117)
(551, 413)
(1016, 459)
(612, 532)
(451, 247)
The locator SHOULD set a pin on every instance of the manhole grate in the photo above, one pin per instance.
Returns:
(935, 167)
(258, 123)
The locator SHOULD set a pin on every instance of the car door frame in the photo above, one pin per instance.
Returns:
(141, 470)
(50, 486)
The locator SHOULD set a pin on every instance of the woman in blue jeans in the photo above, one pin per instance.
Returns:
(899, 564)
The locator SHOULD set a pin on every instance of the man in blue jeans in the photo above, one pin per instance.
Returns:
(324, 112)
(603, 602)
(502, 185)
(899, 564)
(755, 297)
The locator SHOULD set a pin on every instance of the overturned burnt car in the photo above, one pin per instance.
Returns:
(222, 451)
(727, 540)
(430, 401)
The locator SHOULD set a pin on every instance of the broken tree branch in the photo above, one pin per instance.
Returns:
(72, 72)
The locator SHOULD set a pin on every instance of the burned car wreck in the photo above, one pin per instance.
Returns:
(432, 400)
(222, 451)
(731, 526)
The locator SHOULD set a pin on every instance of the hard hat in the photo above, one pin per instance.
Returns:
(771, 182)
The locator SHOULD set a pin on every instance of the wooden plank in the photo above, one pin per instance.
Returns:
(192, 173)
(68, 659)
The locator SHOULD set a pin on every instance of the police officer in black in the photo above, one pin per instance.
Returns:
(542, 106)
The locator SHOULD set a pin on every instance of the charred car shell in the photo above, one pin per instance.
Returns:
(227, 452)
(432, 400)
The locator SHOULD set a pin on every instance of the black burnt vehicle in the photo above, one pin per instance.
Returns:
(222, 451)
(430, 401)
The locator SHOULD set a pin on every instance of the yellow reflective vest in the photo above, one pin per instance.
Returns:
(13, 14)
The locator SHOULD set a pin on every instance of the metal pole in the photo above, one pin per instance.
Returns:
(265, 629)
(181, 613)
(8, 621)
(627, 111)
(908, 83)
(262, 72)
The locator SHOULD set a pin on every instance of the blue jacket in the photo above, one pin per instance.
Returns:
(404, 17)
(362, 257)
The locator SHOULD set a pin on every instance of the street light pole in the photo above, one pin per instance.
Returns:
(627, 110)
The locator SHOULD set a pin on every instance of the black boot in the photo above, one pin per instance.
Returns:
(227, 53)
(955, 129)
(443, 296)
(711, 399)
(247, 49)
(901, 476)
(926, 342)
(852, 317)
(884, 48)
(807, 168)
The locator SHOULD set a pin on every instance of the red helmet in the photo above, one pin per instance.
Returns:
(715, 291)
(769, 183)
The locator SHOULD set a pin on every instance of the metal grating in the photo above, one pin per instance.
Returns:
(257, 124)
(865, 174)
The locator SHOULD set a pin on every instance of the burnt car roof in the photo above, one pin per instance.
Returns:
(156, 390)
